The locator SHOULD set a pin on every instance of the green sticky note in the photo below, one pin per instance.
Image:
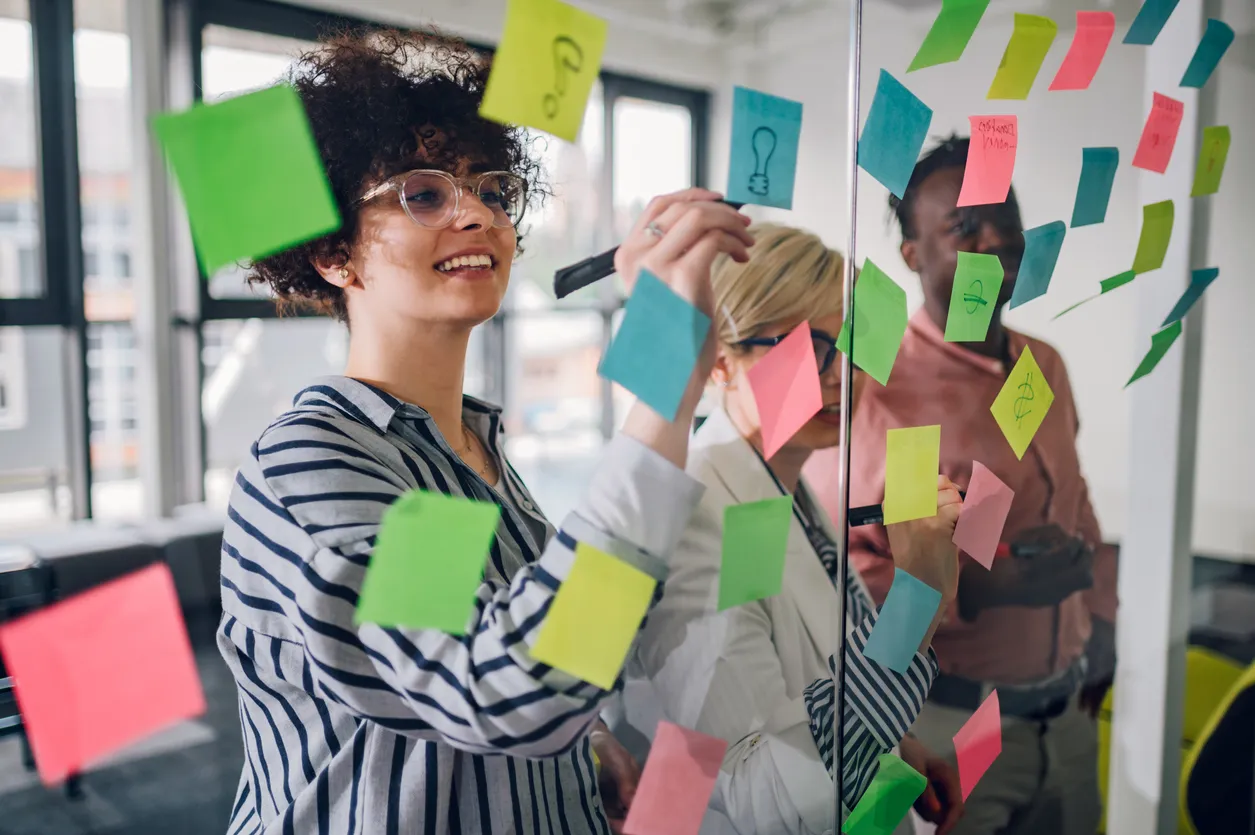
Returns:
(1109, 284)
(544, 67)
(250, 175)
(428, 562)
(1030, 41)
(974, 297)
(879, 323)
(1159, 345)
(1211, 159)
(892, 792)
(1152, 246)
(911, 466)
(948, 37)
(1021, 406)
(755, 538)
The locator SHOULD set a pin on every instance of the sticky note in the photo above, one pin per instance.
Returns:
(763, 162)
(544, 68)
(950, 32)
(985, 509)
(1104, 286)
(1022, 404)
(594, 617)
(428, 562)
(1159, 136)
(894, 134)
(1150, 21)
(1211, 160)
(1200, 280)
(1093, 192)
(786, 388)
(250, 175)
(1089, 46)
(1030, 41)
(1159, 345)
(656, 347)
(1042, 245)
(990, 160)
(879, 323)
(904, 619)
(755, 539)
(1215, 42)
(101, 670)
(978, 743)
(677, 782)
(911, 467)
(974, 297)
(892, 792)
(1152, 246)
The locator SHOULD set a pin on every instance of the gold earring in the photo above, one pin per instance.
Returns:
(344, 272)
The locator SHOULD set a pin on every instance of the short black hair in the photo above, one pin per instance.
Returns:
(950, 152)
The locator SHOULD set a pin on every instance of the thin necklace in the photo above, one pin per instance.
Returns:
(466, 436)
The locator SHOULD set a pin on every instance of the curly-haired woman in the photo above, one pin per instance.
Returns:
(359, 728)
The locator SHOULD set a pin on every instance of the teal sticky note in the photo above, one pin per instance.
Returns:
(973, 297)
(896, 128)
(1150, 21)
(755, 540)
(1042, 245)
(892, 792)
(657, 345)
(903, 622)
(763, 162)
(1200, 280)
(1159, 345)
(1093, 192)
(1215, 42)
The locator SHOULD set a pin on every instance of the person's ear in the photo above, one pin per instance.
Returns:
(910, 255)
(723, 370)
(335, 268)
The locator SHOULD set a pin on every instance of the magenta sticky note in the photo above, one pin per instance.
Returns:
(101, 670)
(677, 782)
(786, 388)
(990, 160)
(985, 510)
(1159, 136)
(978, 743)
(1089, 47)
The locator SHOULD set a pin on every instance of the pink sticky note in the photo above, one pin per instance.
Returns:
(990, 160)
(1089, 47)
(1159, 136)
(985, 510)
(786, 388)
(677, 782)
(102, 670)
(978, 743)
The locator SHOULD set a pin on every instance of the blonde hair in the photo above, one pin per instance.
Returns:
(791, 275)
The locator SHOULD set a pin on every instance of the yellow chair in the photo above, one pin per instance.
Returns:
(1245, 680)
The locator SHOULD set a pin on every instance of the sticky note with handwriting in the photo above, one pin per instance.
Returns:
(1030, 41)
(1152, 245)
(1093, 192)
(1150, 21)
(1159, 136)
(879, 323)
(896, 127)
(911, 466)
(984, 513)
(1042, 245)
(950, 33)
(1021, 406)
(990, 160)
(1212, 156)
(909, 609)
(755, 540)
(892, 792)
(1200, 280)
(1089, 45)
(1159, 345)
(978, 743)
(677, 782)
(1214, 44)
(973, 297)
(786, 388)
(763, 162)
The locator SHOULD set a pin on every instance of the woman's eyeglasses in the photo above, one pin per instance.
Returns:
(431, 197)
(825, 347)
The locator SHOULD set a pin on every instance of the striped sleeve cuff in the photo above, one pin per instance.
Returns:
(887, 702)
(819, 698)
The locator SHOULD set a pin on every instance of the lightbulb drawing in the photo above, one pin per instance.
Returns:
(764, 145)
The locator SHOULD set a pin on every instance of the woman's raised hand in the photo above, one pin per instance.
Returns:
(925, 549)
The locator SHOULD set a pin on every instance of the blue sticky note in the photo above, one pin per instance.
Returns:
(1042, 245)
(1200, 280)
(904, 620)
(1150, 21)
(896, 128)
(763, 164)
(657, 345)
(1216, 41)
(1093, 192)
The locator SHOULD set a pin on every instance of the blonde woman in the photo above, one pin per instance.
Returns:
(760, 675)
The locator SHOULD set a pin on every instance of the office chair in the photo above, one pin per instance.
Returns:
(1218, 774)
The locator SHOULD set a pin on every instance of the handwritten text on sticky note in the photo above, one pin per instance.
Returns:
(911, 466)
(1212, 155)
(1089, 46)
(763, 162)
(1159, 136)
(985, 509)
(1022, 404)
(973, 297)
(990, 160)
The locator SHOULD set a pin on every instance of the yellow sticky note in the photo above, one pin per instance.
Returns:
(594, 617)
(1022, 404)
(911, 466)
(545, 67)
(1030, 41)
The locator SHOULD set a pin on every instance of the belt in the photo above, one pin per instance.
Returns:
(1039, 703)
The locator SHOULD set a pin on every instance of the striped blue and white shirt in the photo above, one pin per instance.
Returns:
(364, 729)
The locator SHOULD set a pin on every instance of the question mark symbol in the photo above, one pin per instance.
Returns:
(567, 55)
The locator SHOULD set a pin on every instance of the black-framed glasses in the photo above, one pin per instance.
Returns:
(825, 347)
(431, 197)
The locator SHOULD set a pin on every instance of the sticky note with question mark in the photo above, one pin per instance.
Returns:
(544, 67)
(763, 163)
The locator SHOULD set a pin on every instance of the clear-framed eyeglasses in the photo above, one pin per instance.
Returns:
(431, 198)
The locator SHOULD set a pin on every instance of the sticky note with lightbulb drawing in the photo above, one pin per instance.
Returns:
(763, 162)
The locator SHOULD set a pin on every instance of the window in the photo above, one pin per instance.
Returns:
(19, 231)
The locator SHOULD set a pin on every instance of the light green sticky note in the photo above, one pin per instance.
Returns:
(1030, 41)
(892, 792)
(755, 539)
(250, 175)
(428, 562)
(1211, 159)
(1159, 345)
(948, 37)
(1152, 246)
(879, 323)
(1022, 404)
(544, 67)
(1109, 284)
(912, 456)
(974, 298)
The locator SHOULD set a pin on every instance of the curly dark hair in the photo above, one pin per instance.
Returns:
(381, 102)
